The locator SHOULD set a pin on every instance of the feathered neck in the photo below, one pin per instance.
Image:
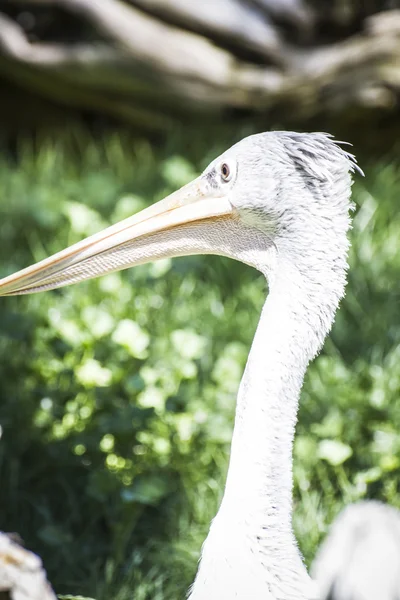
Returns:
(251, 550)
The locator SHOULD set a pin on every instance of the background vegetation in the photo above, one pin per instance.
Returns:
(117, 395)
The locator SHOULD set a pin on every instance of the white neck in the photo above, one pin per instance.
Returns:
(251, 544)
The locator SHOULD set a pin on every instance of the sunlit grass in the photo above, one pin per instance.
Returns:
(117, 395)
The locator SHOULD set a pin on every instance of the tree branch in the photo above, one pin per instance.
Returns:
(145, 71)
(21, 573)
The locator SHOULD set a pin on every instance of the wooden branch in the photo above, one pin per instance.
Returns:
(241, 26)
(145, 71)
(21, 573)
(296, 12)
(99, 66)
(75, 75)
(183, 53)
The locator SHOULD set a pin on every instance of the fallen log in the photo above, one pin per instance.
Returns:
(151, 63)
(22, 576)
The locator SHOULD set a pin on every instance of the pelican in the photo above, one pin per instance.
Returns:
(277, 201)
(360, 558)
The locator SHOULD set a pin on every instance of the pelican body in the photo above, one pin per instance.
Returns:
(279, 202)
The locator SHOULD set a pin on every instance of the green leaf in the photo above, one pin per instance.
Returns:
(69, 597)
(132, 337)
(90, 373)
(54, 535)
(334, 452)
(84, 220)
(177, 171)
(188, 343)
(146, 489)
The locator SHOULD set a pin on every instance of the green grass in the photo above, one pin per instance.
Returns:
(114, 485)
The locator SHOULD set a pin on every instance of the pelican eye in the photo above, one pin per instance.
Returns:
(226, 173)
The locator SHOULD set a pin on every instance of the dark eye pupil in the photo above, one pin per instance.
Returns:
(225, 171)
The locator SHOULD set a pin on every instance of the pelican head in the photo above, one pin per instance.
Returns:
(268, 192)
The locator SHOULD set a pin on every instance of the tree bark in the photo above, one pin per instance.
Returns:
(153, 62)
(22, 576)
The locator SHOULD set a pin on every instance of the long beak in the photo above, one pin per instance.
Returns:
(119, 246)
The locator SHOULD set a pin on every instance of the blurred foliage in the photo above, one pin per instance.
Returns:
(117, 395)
